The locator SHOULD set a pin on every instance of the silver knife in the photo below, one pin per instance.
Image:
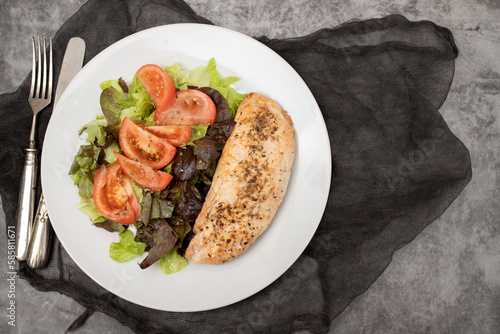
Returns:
(40, 241)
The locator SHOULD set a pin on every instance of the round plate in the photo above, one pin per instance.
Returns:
(260, 70)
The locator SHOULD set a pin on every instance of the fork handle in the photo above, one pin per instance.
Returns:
(26, 203)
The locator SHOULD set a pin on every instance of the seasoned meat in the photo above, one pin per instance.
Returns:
(249, 184)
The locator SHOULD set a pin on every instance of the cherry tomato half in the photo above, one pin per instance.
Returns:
(141, 145)
(190, 107)
(177, 135)
(142, 174)
(158, 84)
(109, 187)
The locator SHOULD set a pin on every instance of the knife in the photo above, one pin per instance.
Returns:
(40, 241)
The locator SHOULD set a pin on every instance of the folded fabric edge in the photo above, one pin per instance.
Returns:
(360, 27)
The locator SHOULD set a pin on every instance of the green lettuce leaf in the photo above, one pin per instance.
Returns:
(109, 156)
(127, 248)
(161, 208)
(111, 83)
(172, 262)
(140, 107)
(85, 159)
(84, 163)
(197, 132)
(94, 130)
(88, 207)
(84, 183)
(180, 227)
(233, 98)
(110, 100)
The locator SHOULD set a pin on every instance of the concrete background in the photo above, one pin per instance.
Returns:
(448, 279)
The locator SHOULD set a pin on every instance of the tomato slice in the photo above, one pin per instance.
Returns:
(190, 107)
(142, 174)
(117, 187)
(176, 135)
(109, 187)
(141, 145)
(158, 84)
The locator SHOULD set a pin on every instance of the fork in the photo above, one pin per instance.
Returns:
(40, 97)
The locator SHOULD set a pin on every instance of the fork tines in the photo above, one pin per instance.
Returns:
(41, 85)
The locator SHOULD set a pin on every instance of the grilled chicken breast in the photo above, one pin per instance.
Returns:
(249, 184)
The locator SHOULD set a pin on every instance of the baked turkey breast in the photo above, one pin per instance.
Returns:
(249, 184)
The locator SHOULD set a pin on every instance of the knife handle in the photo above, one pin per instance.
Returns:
(26, 203)
(41, 238)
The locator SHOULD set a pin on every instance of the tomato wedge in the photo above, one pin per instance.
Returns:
(177, 135)
(142, 174)
(190, 107)
(141, 145)
(117, 187)
(114, 197)
(158, 84)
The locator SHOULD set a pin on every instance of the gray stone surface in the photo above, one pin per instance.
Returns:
(448, 279)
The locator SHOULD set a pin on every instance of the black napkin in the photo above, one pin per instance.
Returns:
(396, 165)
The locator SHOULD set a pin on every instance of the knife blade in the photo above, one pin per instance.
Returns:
(40, 241)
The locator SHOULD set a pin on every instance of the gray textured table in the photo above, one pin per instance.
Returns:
(448, 279)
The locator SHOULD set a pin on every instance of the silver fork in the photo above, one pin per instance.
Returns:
(40, 97)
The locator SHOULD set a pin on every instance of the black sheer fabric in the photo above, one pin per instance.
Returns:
(396, 165)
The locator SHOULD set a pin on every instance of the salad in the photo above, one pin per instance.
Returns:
(148, 161)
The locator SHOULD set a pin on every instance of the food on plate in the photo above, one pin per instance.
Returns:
(171, 144)
(249, 184)
(147, 179)
(190, 107)
(142, 174)
(174, 134)
(142, 145)
(158, 84)
(114, 196)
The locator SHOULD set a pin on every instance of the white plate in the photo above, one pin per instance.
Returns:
(199, 286)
